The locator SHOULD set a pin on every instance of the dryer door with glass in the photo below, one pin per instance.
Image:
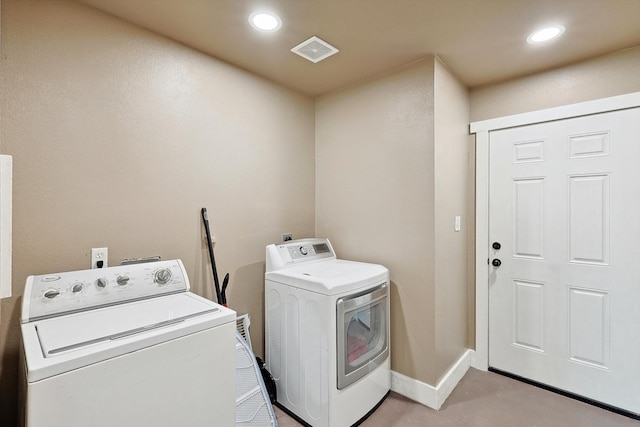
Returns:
(362, 329)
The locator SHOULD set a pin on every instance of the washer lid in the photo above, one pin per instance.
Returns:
(330, 277)
(67, 333)
(61, 344)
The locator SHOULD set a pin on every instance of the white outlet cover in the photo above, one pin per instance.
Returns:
(99, 254)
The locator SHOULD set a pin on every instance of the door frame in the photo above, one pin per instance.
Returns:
(482, 129)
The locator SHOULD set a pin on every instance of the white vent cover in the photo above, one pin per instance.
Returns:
(314, 49)
(242, 325)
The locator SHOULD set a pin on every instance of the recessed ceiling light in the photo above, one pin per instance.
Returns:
(265, 21)
(545, 34)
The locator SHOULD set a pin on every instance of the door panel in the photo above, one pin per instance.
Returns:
(589, 219)
(564, 302)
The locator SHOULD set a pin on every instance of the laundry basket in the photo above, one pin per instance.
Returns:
(253, 407)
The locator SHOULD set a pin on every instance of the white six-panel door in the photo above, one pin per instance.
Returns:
(564, 304)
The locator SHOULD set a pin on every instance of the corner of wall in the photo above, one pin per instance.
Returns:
(428, 395)
(452, 158)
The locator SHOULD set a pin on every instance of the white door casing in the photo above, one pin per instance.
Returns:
(565, 207)
(482, 131)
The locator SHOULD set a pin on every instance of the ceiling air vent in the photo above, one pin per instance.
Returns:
(314, 49)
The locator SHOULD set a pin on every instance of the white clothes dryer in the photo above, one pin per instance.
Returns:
(125, 346)
(327, 332)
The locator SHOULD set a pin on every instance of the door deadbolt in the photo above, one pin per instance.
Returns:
(496, 246)
(496, 262)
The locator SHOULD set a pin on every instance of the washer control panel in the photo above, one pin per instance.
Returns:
(55, 294)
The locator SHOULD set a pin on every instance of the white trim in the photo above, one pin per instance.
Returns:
(6, 177)
(620, 102)
(482, 130)
(481, 359)
(433, 397)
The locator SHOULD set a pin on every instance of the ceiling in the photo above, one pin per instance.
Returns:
(480, 41)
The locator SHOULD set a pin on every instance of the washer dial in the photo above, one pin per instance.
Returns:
(122, 280)
(162, 276)
(51, 293)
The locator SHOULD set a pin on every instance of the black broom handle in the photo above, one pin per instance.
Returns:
(205, 218)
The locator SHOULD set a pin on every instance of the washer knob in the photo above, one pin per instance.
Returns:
(101, 282)
(122, 280)
(162, 276)
(303, 250)
(77, 287)
(52, 293)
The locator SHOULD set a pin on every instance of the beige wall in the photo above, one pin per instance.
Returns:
(384, 152)
(119, 137)
(453, 149)
(374, 196)
(609, 75)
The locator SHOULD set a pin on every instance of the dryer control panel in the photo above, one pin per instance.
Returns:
(51, 295)
(297, 251)
(308, 250)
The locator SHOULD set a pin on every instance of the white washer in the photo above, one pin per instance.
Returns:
(327, 332)
(125, 346)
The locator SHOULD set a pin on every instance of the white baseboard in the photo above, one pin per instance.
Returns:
(426, 394)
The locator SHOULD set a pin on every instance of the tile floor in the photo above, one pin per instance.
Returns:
(486, 399)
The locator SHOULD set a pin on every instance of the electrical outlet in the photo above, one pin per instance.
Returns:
(99, 257)
(287, 236)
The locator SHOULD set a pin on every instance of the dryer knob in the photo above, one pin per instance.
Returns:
(101, 282)
(77, 287)
(303, 250)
